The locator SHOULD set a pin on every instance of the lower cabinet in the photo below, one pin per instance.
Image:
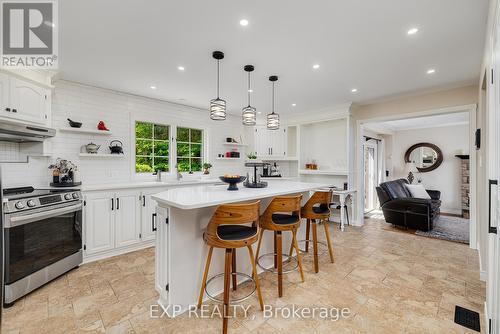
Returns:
(117, 221)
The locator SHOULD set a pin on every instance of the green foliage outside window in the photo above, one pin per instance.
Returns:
(189, 149)
(151, 147)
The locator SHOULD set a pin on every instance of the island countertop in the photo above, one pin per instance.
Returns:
(196, 197)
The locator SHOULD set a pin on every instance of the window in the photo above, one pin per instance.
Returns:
(189, 149)
(151, 147)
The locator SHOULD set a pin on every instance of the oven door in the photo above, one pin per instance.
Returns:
(41, 237)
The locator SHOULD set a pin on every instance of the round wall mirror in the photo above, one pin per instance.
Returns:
(426, 156)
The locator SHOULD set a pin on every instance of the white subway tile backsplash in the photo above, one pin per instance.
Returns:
(118, 110)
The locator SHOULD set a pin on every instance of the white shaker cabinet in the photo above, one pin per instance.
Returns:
(99, 222)
(270, 143)
(127, 218)
(148, 208)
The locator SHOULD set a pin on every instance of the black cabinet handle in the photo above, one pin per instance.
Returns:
(143, 200)
(491, 229)
(14, 110)
(153, 222)
(112, 204)
(117, 204)
(7, 109)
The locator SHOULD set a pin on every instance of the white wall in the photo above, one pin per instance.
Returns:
(118, 110)
(451, 140)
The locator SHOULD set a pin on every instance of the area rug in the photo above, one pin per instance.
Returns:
(449, 228)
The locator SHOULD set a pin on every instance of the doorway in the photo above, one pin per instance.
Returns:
(371, 167)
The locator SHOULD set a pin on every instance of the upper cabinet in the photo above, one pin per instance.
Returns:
(270, 143)
(24, 100)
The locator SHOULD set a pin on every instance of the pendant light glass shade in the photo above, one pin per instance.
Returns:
(249, 113)
(218, 105)
(273, 119)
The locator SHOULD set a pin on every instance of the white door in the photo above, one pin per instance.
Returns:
(148, 208)
(127, 218)
(161, 252)
(370, 157)
(28, 101)
(99, 222)
(4, 95)
(493, 121)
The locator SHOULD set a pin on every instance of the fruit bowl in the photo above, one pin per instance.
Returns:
(233, 180)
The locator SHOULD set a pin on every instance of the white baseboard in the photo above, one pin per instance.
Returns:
(117, 251)
(483, 275)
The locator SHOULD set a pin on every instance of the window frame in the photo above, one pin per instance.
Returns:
(169, 141)
(202, 144)
(173, 145)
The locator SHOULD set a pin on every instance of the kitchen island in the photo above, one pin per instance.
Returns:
(182, 215)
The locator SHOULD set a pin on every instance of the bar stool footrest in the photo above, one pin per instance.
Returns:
(286, 259)
(232, 301)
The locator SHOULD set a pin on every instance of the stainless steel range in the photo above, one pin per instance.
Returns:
(42, 237)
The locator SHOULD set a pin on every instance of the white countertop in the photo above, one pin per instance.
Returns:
(196, 197)
(148, 184)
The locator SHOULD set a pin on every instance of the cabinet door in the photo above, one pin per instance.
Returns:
(29, 102)
(262, 141)
(127, 218)
(148, 207)
(4, 95)
(99, 222)
(161, 253)
(278, 143)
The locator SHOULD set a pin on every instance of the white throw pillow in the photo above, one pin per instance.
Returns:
(417, 191)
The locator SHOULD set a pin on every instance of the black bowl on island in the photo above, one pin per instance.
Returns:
(233, 181)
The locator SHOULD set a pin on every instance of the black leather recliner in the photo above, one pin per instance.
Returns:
(401, 209)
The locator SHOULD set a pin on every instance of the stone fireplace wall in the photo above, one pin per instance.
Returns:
(465, 188)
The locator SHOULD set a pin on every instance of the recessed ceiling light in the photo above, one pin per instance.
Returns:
(181, 68)
(431, 71)
(153, 87)
(412, 31)
(354, 90)
(315, 66)
(250, 90)
(259, 112)
(293, 104)
(243, 22)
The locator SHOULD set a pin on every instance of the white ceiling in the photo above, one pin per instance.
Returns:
(129, 45)
(389, 127)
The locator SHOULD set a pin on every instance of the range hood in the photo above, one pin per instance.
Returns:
(23, 133)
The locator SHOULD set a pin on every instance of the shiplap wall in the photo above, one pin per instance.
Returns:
(119, 111)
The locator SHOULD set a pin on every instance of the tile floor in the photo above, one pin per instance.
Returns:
(391, 282)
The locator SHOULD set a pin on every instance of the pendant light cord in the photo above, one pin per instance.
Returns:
(273, 97)
(218, 78)
(249, 89)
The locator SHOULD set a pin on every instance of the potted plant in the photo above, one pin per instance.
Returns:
(252, 156)
(206, 168)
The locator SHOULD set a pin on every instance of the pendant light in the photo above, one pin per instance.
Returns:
(273, 119)
(217, 105)
(249, 113)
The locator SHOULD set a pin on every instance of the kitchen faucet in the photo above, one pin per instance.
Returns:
(179, 175)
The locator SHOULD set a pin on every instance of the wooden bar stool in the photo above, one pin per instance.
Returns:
(282, 214)
(226, 230)
(317, 208)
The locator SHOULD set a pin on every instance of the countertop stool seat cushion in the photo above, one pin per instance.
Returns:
(321, 209)
(236, 232)
(284, 219)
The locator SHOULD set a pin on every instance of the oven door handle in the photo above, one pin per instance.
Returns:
(25, 219)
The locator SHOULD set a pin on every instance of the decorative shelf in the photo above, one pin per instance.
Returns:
(100, 155)
(322, 172)
(218, 158)
(86, 131)
(233, 144)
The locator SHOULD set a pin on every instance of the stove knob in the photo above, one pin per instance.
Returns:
(75, 195)
(19, 205)
(31, 203)
(67, 197)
